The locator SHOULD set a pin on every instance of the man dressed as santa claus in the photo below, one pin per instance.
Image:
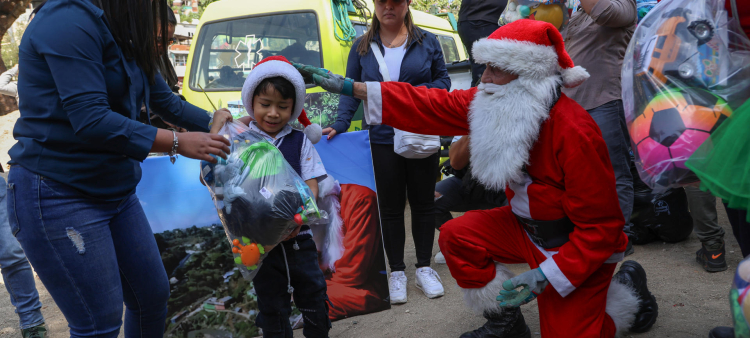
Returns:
(548, 154)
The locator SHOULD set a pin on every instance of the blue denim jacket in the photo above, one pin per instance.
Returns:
(79, 101)
(423, 65)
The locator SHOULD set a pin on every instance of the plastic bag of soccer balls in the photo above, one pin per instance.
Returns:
(686, 68)
(260, 198)
(551, 11)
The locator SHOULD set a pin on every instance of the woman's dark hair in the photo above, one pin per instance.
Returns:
(414, 33)
(282, 85)
(133, 24)
(170, 16)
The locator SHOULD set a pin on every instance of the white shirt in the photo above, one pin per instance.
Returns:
(393, 58)
(310, 163)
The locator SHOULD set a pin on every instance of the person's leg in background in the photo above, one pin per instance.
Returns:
(740, 228)
(18, 276)
(420, 189)
(470, 32)
(610, 117)
(390, 180)
(702, 205)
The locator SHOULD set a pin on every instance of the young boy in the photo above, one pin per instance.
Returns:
(273, 95)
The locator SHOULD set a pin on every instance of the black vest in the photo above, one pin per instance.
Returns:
(291, 148)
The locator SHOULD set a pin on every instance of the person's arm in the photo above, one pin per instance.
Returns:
(348, 105)
(7, 85)
(459, 153)
(611, 13)
(431, 111)
(591, 203)
(74, 50)
(313, 185)
(311, 165)
(175, 111)
(440, 77)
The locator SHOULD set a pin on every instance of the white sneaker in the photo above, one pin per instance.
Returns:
(397, 287)
(429, 282)
(439, 258)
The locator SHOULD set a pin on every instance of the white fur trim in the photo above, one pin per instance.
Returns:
(485, 298)
(332, 248)
(556, 277)
(573, 77)
(274, 68)
(314, 132)
(622, 305)
(504, 127)
(518, 57)
(373, 106)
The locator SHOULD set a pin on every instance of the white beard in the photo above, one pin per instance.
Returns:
(504, 123)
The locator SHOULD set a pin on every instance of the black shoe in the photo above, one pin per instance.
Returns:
(712, 261)
(509, 323)
(629, 250)
(631, 273)
(721, 332)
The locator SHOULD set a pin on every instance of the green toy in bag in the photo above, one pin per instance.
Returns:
(739, 301)
(260, 198)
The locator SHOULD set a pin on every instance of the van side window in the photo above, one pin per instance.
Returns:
(450, 52)
(228, 50)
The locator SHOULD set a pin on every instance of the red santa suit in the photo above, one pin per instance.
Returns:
(549, 155)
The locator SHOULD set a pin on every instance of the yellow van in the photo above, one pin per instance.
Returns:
(236, 34)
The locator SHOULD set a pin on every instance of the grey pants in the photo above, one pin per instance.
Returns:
(705, 222)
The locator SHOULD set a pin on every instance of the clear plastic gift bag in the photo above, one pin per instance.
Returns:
(739, 302)
(260, 198)
(685, 71)
(551, 11)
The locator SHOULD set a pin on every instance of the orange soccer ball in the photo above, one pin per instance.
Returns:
(671, 127)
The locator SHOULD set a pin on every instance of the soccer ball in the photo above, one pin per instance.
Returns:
(671, 127)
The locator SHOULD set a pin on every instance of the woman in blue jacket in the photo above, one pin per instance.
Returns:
(411, 55)
(87, 67)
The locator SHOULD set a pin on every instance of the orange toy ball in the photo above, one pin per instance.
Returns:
(236, 242)
(250, 255)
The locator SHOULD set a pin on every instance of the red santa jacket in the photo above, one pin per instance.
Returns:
(569, 172)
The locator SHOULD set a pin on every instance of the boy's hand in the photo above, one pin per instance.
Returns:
(331, 82)
(294, 233)
(221, 117)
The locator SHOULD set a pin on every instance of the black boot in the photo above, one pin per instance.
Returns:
(631, 273)
(721, 332)
(508, 323)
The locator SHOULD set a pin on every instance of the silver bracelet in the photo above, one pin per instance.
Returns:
(175, 144)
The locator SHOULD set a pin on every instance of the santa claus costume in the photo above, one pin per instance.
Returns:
(549, 155)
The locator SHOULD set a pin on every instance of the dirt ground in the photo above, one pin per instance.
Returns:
(691, 301)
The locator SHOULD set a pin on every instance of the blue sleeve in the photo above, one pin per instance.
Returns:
(440, 78)
(347, 104)
(72, 43)
(175, 111)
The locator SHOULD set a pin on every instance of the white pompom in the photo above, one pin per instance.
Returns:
(314, 132)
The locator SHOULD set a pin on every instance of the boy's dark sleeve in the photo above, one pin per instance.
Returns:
(348, 105)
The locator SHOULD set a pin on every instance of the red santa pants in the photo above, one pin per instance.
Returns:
(473, 242)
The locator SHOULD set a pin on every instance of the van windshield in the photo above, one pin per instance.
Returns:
(227, 50)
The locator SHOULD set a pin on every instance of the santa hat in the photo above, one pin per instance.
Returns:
(529, 48)
(274, 66)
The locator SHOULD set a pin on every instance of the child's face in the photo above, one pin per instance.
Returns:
(271, 111)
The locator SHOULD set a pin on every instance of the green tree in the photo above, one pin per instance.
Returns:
(437, 6)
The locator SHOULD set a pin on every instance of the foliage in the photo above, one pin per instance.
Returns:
(436, 6)
(321, 108)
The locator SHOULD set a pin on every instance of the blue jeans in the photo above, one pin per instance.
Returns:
(17, 274)
(309, 291)
(611, 120)
(91, 255)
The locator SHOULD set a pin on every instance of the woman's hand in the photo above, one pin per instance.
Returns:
(330, 132)
(200, 146)
(221, 117)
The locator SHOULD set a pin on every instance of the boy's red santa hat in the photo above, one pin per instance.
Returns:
(532, 49)
(274, 66)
